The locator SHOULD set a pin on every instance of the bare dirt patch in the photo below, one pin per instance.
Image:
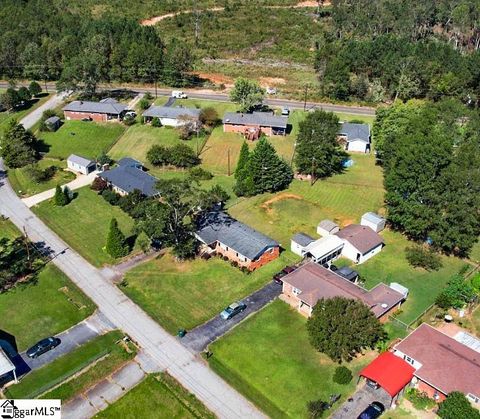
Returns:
(267, 205)
(272, 81)
(216, 78)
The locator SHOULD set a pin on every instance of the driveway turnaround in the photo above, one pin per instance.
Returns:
(96, 325)
(360, 401)
(200, 337)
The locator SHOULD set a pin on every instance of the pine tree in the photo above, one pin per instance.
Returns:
(117, 246)
(17, 146)
(60, 199)
(67, 195)
(241, 171)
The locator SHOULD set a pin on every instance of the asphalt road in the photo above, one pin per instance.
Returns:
(200, 337)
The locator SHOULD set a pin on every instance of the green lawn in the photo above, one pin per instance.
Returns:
(269, 359)
(5, 117)
(8, 229)
(84, 223)
(87, 139)
(24, 185)
(47, 307)
(186, 294)
(157, 397)
(48, 376)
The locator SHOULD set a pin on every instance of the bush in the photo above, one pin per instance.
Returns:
(198, 174)
(129, 120)
(209, 117)
(456, 406)
(158, 155)
(111, 197)
(148, 96)
(420, 257)
(456, 294)
(317, 408)
(38, 175)
(419, 399)
(181, 155)
(104, 158)
(144, 104)
(342, 375)
(156, 122)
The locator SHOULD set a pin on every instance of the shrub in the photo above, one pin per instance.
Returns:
(38, 175)
(148, 96)
(129, 120)
(419, 399)
(116, 243)
(209, 116)
(104, 158)
(234, 263)
(60, 198)
(456, 294)
(198, 174)
(144, 242)
(158, 155)
(457, 406)
(111, 197)
(317, 408)
(225, 258)
(144, 104)
(156, 122)
(181, 155)
(342, 375)
(420, 257)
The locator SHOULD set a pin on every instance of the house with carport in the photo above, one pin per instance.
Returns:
(170, 116)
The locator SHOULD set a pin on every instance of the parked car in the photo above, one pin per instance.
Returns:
(232, 310)
(43, 346)
(131, 114)
(373, 411)
(178, 94)
(285, 112)
(271, 90)
(285, 271)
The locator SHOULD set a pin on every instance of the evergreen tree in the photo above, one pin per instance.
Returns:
(60, 199)
(17, 146)
(241, 172)
(117, 245)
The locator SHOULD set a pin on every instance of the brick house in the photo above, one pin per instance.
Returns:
(106, 110)
(310, 282)
(218, 232)
(259, 122)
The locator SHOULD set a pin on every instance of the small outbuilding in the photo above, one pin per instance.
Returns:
(300, 242)
(374, 221)
(327, 227)
(53, 123)
(348, 273)
(7, 367)
(81, 164)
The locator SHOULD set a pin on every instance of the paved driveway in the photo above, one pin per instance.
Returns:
(199, 338)
(360, 401)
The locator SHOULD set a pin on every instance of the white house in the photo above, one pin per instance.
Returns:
(172, 116)
(374, 221)
(360, 242)
(322, 251)
(356, 137)
(80, 164)
(327, 227)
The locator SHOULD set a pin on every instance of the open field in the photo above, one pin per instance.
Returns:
(6, 117)
(84, 223)
(24, 185)
(157, 397)
(51, 305)
(41, 380)
(186, 294)
(88, 139)
(277, 336)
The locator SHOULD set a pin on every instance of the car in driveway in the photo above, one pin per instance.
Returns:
(285, 271)
(43, 346)
(232, 310)
(373, 411)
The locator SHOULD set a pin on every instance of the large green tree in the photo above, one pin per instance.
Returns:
(243, 182)
(457, 406)
(247, 93)
(318, 153)
(117, 245)
(342, 327)
(17, 146)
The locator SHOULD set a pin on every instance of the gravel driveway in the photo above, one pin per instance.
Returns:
(360, 401)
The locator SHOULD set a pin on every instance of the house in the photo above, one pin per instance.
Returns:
(128, 161)
(256, 122)
(442, 364)
(355, 137)
(172, 116)
(310, 282)
(53, 123)
(374, 221)
(81, 164)
(128, 177)
(360, 242)
(106, 110)
(327, 227)
(7, 367)
(238, 242)
(322, 251)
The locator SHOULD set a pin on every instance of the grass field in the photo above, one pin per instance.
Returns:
(47, 307)
(6, 117)
(186, 294)
(8, 230)
(48, 376)
(88, 139)
(157, 397)
(269, 359)
(84, 223)
(24, 185)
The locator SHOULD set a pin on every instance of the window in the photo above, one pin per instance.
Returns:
(226, 247)
(473, 398)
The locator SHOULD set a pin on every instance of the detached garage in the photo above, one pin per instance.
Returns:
(80, 164)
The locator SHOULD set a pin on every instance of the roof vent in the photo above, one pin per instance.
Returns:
(384, 305)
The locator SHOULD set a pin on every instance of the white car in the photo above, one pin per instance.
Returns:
(178, 94)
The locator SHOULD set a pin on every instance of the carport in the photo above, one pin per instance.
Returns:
(6, 365)
(390, 372)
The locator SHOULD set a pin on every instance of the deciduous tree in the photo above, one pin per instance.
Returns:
(247, 93)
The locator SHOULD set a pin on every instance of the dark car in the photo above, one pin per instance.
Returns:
(285, 271)
(373, 411)
(43, 346)
(233, 310)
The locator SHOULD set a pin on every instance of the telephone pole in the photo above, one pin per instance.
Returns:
(228, 161)
(305, 98)
(27, 247)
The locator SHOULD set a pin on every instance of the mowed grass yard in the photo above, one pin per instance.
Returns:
(87, 139)
(186, 294)
(157, 397)
(269, 359)
(51, 305)
(8, 230)
(84, 223)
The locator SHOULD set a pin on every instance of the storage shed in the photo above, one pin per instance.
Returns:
(327, 227)
(80, 164)
(374, 221)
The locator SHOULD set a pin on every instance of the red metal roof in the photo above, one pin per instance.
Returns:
(390, 372)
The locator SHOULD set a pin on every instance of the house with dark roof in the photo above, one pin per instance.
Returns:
(128, 177)
(172, 116)
(106, 110)
(238, 242)
(360, 242)
(311, 282)
(81, 164)
(258, 122)
(355, 137)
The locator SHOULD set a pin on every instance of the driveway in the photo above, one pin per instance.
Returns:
(33, 117)
(200, 337)
(360, 401)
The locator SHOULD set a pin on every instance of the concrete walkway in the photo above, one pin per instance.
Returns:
(79, 182)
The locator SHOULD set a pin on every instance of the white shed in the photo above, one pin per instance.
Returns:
(299, 243)
(80, 164)
(327, 227)
(374, 221)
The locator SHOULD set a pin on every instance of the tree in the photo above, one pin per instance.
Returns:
(144, 104)
(158, 155)
(457, 293)
(317, 408)
(242, 185)
(247, 93)
(34, 88)
(342, 327)
(144, 242)
(342, 375)
(98, 184)
(10, 98)
(188, 127)
(178, 63)
(60, 199)
(420, 257)
(17, 146)
(104, 158)
(209, 116)
(24, 94)
(181, 155)
(318, 152)
(156, 123)
(457, 406)
(117, 245)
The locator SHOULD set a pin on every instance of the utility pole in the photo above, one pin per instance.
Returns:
(197, 25)
(27, 247)
(305, 98)
(228, 161)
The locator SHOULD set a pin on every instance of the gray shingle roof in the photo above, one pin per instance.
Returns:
(218, 226)
(129, 178)
(52, 120)
(112, 108)
(327, 225)
(263, 119)
(128, 161)
(355, 131)
(373, 218)
(171, 112)
(82, 161)
(302, 239)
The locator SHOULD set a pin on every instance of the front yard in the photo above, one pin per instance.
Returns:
(269, 359)
(187, 294)
(84, 223)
